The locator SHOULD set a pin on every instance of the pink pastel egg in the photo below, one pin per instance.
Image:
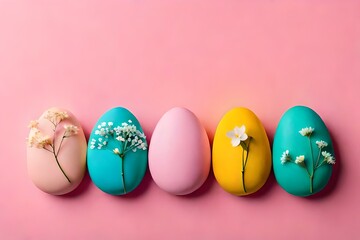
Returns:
(179, 152)
(68, 143)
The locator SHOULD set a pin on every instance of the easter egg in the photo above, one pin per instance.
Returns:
(117, 152)
(303, 152)
(56, 152)
(179, 153)
(241, 152)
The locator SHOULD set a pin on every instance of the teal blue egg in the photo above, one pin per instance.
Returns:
(117, 152)
(303, 153)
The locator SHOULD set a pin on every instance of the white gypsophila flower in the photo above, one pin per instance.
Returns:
(70, 130)
(36, 139)
(321, 144)
(126, 133)
(300, 159)
(306, 131)
(56, 116)
(33, 124)
(328, 157)
(237, 135)
(330, 160)
(285, 157)
(326, 154)
(120, 139)
(116, 151)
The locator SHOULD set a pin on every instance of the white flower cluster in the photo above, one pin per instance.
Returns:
(36, 137)
(285, 157)
(300, 159)
(56, 117)
(306, 131)
(127, 133)
(321, 144)
(328, 157)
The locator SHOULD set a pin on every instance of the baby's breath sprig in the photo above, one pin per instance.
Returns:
(302, 162)
(126, 136)
(39, 140)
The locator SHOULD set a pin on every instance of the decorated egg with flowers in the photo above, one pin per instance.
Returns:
(303, 153)
(241, 152)
(56, 152)
(117, 152)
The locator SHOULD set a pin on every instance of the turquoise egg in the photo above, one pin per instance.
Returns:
(303, 153)
(117, 152)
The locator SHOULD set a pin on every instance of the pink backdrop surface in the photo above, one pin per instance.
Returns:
(209, 56)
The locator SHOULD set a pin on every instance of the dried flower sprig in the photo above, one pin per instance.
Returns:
(302, 162)
(126, 136)
(238, 137)
(38, 140)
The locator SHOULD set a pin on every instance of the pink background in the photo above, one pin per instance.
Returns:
(88, 56)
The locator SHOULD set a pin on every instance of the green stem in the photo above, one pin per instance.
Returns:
(243, 171)
(311, 151)
(243, 179)
(244, 162)
(317, 160)
(122, 156)
(62, 139)
(57, 152)
(321, 164)
(313, 166)
(62, 170)
(247, 151)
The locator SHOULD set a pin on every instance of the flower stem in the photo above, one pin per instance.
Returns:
(312, 155)
(243, 178)
(313, 166)
(122, 156)
(56, 154)
(317, 160)
(62, 170)
(244, 162)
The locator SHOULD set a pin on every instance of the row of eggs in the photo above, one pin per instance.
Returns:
(179, 156)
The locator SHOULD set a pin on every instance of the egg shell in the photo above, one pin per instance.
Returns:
(227, 160)
(105, 167)
(41, 164)
(291, 177)
(179, 153)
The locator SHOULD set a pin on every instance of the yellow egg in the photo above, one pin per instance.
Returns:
(241, 152)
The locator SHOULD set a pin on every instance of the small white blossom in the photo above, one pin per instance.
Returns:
(36, 139)
(56, 116)
(33, 124)
(285, 157)
(237, 135)
(70, 130)
(110, 124)
(120, 138)
(306, 131)
(116, 151)
(321, 144)
(328, 157)
(300, 159)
